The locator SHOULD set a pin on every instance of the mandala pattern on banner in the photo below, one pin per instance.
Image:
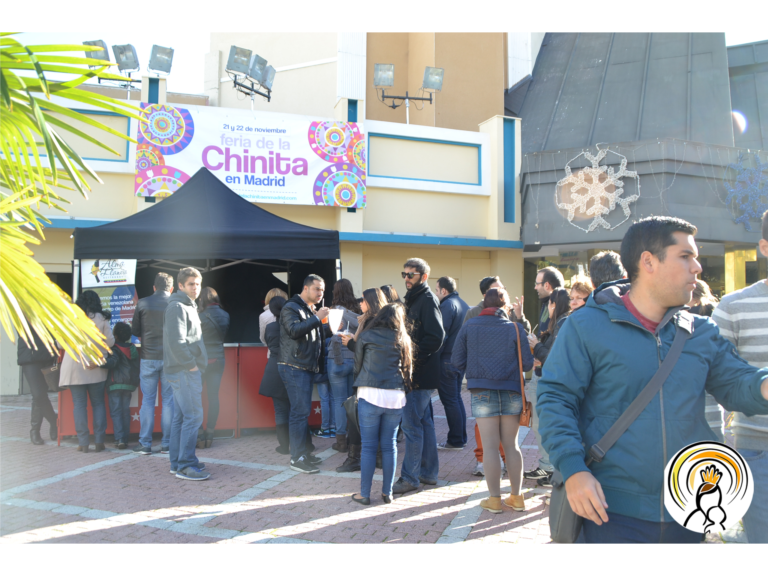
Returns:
(593, 184)
(167, 128)
(159, 181)
(331, 140)
(356, 153)
(747, 190)
(148, 156)
(340, 185)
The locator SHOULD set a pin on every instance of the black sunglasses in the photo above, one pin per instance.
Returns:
(410, 275)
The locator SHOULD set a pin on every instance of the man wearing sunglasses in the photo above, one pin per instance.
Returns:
(420, 464)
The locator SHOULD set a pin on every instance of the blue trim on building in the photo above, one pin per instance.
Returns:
(509, 170)
(154, 91)
(69, 224)
(101, 113)
(433, 141)
(428, 240)
(351, 110)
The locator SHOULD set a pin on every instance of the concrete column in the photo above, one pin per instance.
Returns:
(212, 78)
(508, 265)
(352, 264)
(498, 229)
(736, 268)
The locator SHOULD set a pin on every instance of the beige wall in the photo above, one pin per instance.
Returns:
(473, 85)
(413, 212)
(422, 160)
(386, 48)
(111, 200)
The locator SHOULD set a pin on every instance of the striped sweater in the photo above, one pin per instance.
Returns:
(742, 317)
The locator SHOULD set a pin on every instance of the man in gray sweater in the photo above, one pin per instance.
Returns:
(184, 359)
(741, 317)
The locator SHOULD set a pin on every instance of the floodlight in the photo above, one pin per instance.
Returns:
(258, 64)
(160, 59)
(383, 74)
(268, 77)
(125, 56)
(239, 60)
(102, 54)
(433, 78)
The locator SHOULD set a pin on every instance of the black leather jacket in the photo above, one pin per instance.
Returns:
(377, 360)
(214, 322)
(148, 324)
(302, 337)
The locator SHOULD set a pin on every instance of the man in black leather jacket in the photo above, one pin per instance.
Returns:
(148, 326)
(302, 363)
(420, 464)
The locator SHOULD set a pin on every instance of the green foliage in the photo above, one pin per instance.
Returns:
(35, 161)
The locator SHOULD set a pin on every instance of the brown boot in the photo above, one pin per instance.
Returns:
(492, 504)
(341, 443)
(516, 502)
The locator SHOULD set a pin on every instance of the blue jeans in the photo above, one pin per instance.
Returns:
(298, 384)
(627, 530)
(120, 410)
(326, 403)
(450, 396)
(756, 518)
(213, 374)
(187, 417)
(420, 459)
(151, 371)
(342, 378)
(377, 425)
(282, 410)
(80, 394)
(530, 392)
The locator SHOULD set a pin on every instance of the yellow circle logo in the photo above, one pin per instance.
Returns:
(708, 487)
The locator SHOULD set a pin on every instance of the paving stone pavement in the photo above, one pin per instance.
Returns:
(56, 494)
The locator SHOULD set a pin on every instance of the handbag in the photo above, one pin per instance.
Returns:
(564, 523)
(52, 375)
(527, 412)
(350, 405)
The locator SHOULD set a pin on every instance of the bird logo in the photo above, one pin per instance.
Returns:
(95, 270)
(708, 487)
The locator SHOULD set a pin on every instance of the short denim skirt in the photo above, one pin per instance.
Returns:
(490, 403)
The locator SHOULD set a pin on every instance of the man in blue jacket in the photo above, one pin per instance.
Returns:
(453, 310)
(605, 354)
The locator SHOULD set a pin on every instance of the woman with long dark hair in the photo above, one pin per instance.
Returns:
(559, 308)
(487, 348)
(341, 360)
(391, 294)
(214, 321)
(373, 300)
(87, 380)
(383, 369)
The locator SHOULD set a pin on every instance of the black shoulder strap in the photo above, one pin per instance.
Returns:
(597, 451)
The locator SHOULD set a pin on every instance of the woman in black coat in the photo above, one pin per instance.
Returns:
(271, 384)
(32, 363)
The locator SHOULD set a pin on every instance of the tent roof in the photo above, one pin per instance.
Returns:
(205, 219)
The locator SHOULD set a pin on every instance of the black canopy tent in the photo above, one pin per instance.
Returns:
(236, 245)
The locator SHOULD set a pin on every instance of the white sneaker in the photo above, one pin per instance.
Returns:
(478, 470)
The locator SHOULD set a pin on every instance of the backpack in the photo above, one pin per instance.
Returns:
(122, 369)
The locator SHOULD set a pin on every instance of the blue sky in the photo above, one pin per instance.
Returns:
(190, 48)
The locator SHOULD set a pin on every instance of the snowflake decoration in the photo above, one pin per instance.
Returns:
(748, 192)
(596, 190)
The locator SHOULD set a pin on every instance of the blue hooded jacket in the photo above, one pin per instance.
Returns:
(602, 358)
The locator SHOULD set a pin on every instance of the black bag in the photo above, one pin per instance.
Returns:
(564, 523)
(350, 405)
(52, 376)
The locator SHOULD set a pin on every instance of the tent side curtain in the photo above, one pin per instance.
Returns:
(205, 219)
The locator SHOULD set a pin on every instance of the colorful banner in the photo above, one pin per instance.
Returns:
(262, 156)
(107, 272)
(121, 301)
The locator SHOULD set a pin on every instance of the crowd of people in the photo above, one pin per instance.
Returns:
(593, 348)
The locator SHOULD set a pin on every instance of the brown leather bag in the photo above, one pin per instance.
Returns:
(527, 413)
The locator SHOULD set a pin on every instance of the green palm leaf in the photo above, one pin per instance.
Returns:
(31, 122)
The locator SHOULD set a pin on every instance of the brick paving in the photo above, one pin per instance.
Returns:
(56, 494)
